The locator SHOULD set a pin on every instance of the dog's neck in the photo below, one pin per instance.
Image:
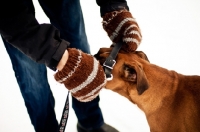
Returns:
(161, 96)
(157, 77)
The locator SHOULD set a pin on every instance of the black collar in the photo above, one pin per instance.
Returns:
(110, 60)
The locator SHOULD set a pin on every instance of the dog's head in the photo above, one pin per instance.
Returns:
(128, 73)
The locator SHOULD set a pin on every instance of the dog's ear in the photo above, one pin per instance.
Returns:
(142, 55)
(135, 74)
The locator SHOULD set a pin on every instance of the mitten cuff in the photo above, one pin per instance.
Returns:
(82, 75)
(115, 23)
(105, 8)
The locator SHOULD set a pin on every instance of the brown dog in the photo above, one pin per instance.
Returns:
(170, 101)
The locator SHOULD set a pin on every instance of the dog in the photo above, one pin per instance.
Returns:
(170, 100)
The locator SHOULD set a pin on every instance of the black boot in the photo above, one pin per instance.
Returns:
(104, 128)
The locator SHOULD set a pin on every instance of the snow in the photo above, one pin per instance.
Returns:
(171, 39)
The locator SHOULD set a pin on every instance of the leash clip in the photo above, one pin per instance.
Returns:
(109, 78)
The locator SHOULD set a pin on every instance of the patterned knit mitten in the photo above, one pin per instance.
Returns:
(120, 25)
(82, 75)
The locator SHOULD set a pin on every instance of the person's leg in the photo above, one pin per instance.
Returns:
(34, 87)
(66, 15)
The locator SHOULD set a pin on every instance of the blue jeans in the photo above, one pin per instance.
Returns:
(66, 15)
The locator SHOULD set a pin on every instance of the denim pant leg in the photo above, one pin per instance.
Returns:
(66, 15)
(34, 87)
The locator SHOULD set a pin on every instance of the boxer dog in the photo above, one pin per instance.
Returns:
(170, 100)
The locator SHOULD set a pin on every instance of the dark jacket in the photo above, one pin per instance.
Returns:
(41, 42)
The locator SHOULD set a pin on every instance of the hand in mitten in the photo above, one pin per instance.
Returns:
(120, 25)
(82, 75)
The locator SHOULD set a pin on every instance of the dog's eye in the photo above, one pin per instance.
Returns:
(130, 70)
(129, 73)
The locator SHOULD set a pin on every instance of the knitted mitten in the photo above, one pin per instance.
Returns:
(82, 75)
(121, 25)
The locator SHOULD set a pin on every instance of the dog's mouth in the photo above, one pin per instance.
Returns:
(129, 73)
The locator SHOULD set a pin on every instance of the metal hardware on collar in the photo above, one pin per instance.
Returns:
(110, 60)
(108, 66)
(109, 78)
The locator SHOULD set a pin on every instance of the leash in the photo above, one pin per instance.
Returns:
(110, 60)
(65, 114)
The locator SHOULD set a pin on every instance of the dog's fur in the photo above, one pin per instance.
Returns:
(170, 101)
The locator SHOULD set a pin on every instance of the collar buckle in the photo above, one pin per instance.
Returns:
(110, 61)
(108, 66)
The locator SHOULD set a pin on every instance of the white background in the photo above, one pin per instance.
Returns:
(171, 39)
